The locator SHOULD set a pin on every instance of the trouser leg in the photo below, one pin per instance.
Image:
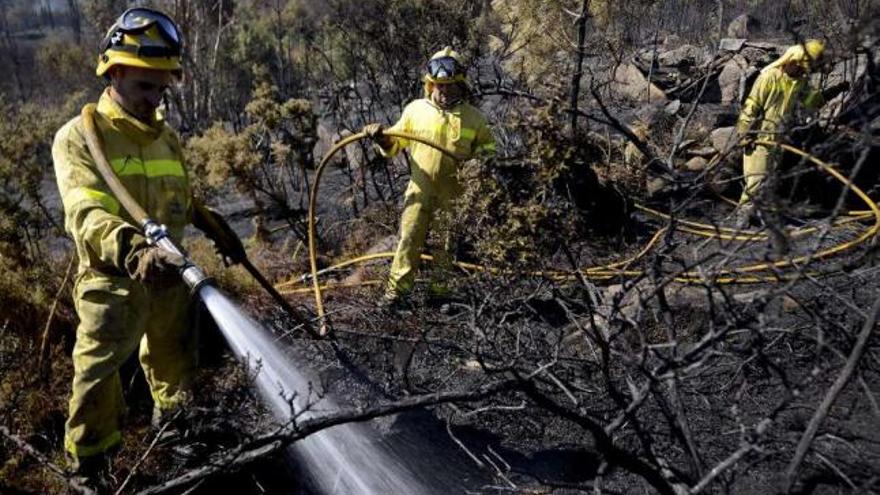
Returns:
(107, 334)
(756, 166)
(414, 222)
(444, 258)
(168, 349)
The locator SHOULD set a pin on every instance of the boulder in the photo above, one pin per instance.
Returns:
(673, 107)
(656, 185)
(767, 46)
(733, 71)
(631, 154)
(731, 44)
(711, 116)
(831, 108)
(703, 152)
(758, 56)
(696, 164)
(723, 138)
(631, 83)
(847, 71)
(743, 26)
(684, 56)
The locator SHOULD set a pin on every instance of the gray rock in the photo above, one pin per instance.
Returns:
(704, 152)
(758, 56)
(654, 114)
(847, 71)
(696, 164)
(631, 155)
(743, 26)
(723, 138)
(656, 185)
(683, 56)
(733, 71)
(767, 46)
(731, 44)
(673, 107)
(831, 109)
(631, 83)
(711, 116)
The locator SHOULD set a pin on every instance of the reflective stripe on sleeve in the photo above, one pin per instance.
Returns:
(85, 194)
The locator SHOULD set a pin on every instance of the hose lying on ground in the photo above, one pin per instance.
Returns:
(743, 274)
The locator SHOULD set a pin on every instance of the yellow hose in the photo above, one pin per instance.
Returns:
(732, 234)
(744, 274)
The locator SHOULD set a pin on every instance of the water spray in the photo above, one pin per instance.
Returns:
(340, 460)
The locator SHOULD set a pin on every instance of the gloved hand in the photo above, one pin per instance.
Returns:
(226, 241)
(748, 144)
(152, 265)
(375, 132)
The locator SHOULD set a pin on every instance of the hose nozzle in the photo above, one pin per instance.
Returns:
(192, 275)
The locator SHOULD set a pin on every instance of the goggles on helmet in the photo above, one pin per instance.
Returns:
(138, 20)
(444, 68)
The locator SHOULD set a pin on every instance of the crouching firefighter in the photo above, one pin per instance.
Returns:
(445, 117)
(128, 293)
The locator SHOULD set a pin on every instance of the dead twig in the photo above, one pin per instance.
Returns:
(831, 396)
(74, 483)
(269, 444)
(44, 345)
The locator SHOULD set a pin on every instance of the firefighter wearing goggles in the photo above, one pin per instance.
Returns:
(128, 293)
(445, 117)
(143, 38)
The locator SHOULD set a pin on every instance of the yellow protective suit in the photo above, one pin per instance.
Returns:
(434, 176)
(117, 315)
(773, 99)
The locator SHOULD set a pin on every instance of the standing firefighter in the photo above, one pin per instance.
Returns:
(779, 92)
(128, 293)
(444, 117)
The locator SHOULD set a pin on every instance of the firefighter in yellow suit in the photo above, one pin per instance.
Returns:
(781, 88)
(128, 294)
(445, 117)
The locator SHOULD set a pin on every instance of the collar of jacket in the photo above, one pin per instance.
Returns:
(451, 108)
(140, 132)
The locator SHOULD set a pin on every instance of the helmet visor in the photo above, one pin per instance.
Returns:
(443, 68)
(140, 19)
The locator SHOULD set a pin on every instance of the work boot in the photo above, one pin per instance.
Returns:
(744, 216)
(171, 423)
(174, 433)
(93, 470)
(395, 304)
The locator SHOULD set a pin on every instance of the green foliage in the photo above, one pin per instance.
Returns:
(234, 280)
(268, 158)
(217, 155)
(72, 66)
(519, 211)
(26, 134)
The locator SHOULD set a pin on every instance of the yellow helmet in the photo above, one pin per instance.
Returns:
(144, 38)
(445, 67)
(805, 54)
